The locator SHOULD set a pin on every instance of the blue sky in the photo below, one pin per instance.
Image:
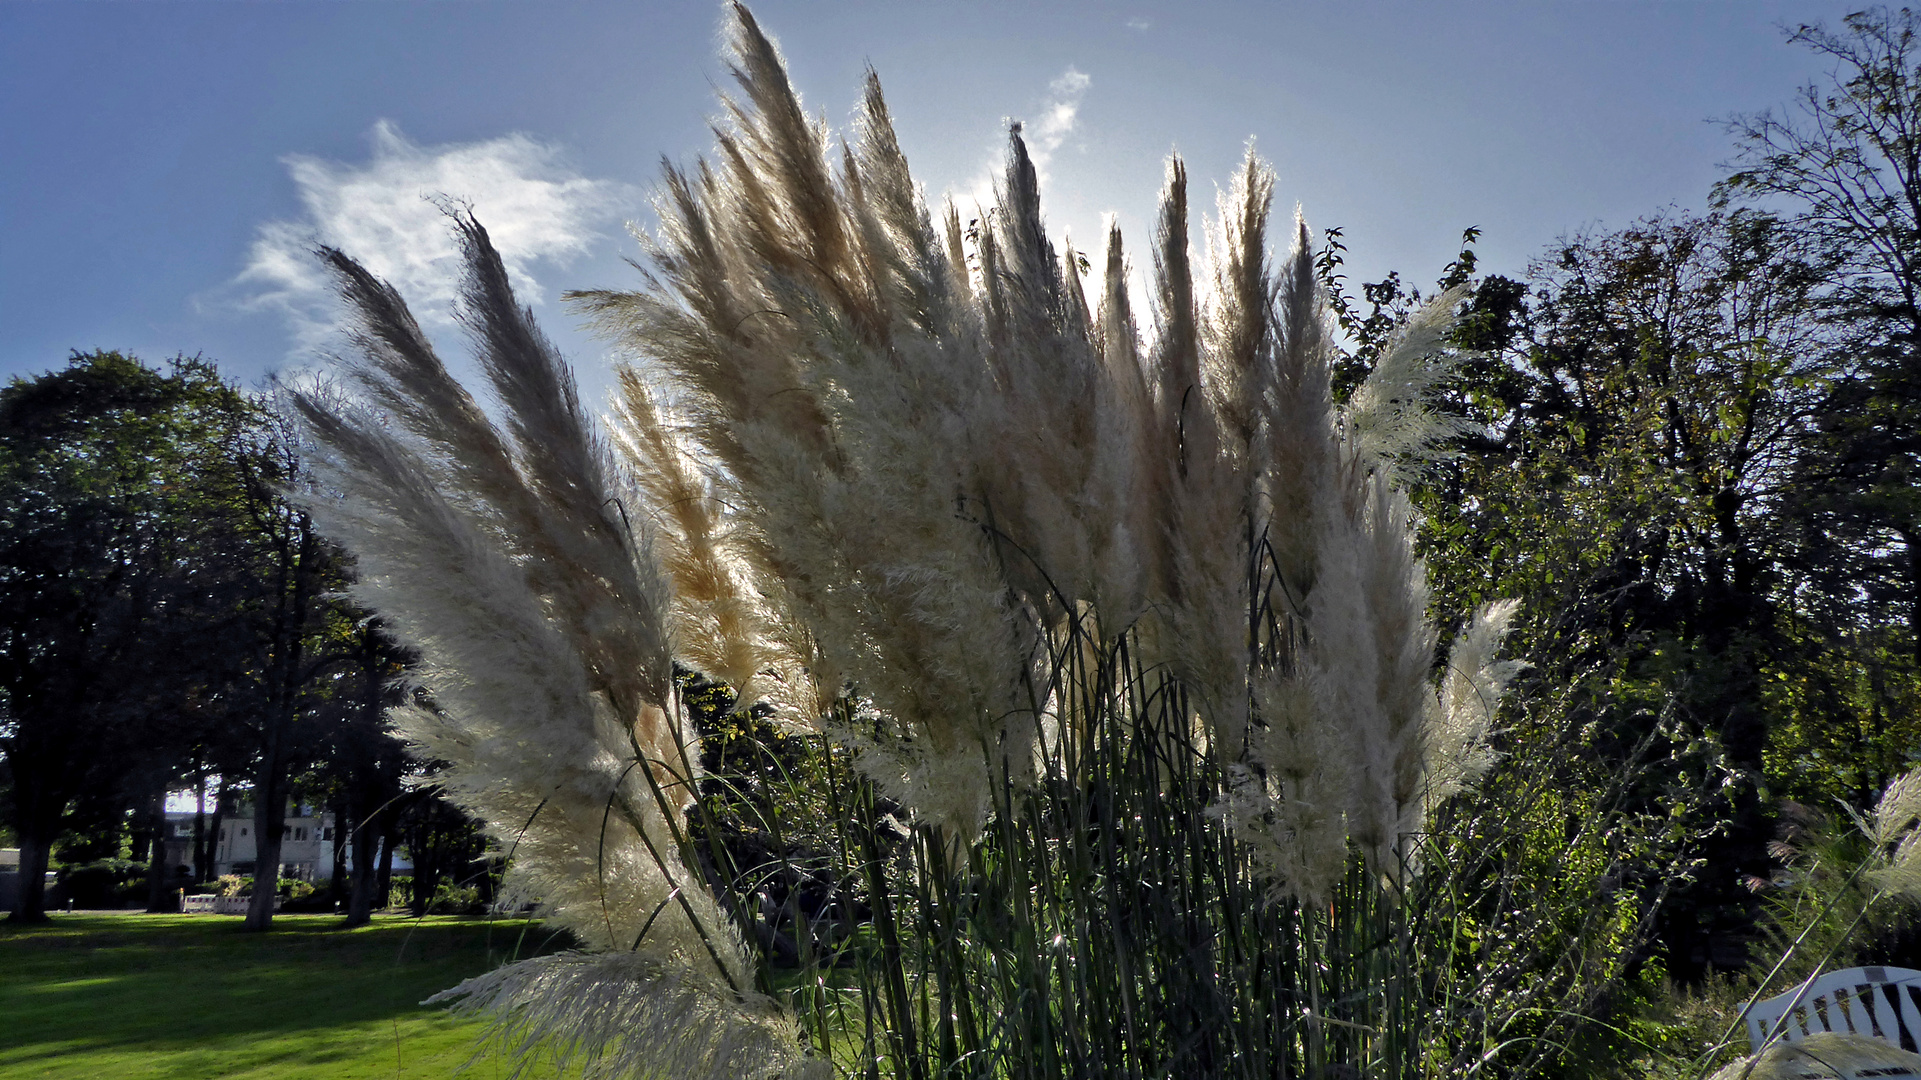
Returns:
(166, 164)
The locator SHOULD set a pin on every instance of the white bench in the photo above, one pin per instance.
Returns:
(221, 905)
(1878, 1002)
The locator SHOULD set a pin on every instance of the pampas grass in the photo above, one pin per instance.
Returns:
(1052, 586)
(539, 614)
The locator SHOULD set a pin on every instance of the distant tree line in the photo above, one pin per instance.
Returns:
(169, 621)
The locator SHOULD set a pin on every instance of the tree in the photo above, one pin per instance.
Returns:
(1641, 408)
(1681, 378)
(445, 845)
(112, 475)
(1633, 411)
(296, 578)
(1847, 158)
(369, 765)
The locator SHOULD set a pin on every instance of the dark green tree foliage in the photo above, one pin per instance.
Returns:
(1846, 162)
(367, 767)
(1642, 402)
(166, 612)
(776, 809)
(113, 477)
(1697, 465)
(448, 849)
(1667, 378)
(348, 759)
(295, 579)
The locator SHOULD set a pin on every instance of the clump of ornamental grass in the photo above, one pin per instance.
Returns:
(540, 617)
(1102, 612)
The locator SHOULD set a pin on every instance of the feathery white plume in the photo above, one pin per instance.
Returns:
(948, 470)
(1894, 829)
(507, 561)
(1390, 418)
(1471, 693)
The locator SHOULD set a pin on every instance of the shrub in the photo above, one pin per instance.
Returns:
(103, 883)
(452, 899)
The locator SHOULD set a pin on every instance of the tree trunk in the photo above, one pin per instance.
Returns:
(426, 882)
(202, 849)
(1913, 542)
(485, 890)
(298, 563)
(214, 821)
(269, 821)
(159, 871)
(221, 810)
(384, 882)
(337, 881)
(423, 844)
(366, 874)
(139, 848)
(31, 907)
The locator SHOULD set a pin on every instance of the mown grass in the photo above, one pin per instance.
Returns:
(157, 997)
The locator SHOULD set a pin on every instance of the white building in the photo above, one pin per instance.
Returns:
(306, 843)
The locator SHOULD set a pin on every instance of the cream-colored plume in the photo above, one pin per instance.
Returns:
(1463, 712)
(510, 562)
(1893, 827)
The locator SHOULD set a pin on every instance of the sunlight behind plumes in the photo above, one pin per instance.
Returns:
(1059, 114)
(931, 469)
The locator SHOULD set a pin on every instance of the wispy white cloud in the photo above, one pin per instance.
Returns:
(1058, 116)
(1056, 120)
(1138, 24)
(387, 213)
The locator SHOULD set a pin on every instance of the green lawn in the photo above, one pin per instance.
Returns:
(146, 997)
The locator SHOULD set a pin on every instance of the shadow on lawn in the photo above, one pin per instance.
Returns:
(95, 981)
